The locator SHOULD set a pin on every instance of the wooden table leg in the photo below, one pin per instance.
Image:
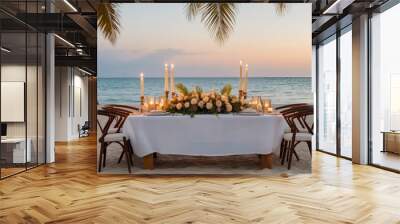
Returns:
(148, 162)
(266, 161)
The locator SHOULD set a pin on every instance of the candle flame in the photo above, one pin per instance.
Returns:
(141, 75)
(241, 62)
(166, 65)
(172, 65)
(247, 65)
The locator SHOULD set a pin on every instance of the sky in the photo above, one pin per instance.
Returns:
(151, 35)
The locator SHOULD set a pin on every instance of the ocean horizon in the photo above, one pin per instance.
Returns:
(281, 90)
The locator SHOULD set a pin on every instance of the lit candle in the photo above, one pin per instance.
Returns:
(241, 76)
(142, 84)
(172, 79)
(246, 79)
(166, 78)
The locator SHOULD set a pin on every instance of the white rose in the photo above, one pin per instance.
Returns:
(205, 99)
(228, 107)
(209, 106)
(218, 103)
(179, 106)
(193, 101)
(224, 98)
(212, 95)
(187, 105)
(201, 104)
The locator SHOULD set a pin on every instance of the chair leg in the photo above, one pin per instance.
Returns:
(285, 149)
(105, 155)
(130, 151)
(309, 147)
(290, 155)
(127, 155)
(295, 155)
(120, 157)
(282, 145)
(100, 157)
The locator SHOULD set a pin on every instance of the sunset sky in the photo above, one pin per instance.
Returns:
(154, 34)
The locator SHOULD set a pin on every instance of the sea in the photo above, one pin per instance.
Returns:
(281, 90)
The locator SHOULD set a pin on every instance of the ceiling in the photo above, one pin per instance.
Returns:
(75, 21)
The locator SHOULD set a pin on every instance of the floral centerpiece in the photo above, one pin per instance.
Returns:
(199, 102)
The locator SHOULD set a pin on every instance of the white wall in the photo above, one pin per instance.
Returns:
(69, 112)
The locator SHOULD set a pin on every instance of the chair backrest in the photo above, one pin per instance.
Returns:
(120, 116)
(110, 117)
(288, 106)
(125, 107)
(299, 114)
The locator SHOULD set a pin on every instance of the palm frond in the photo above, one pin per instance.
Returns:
(182, 89)
(226, 90)
(193, 9)
(281, 8)
(219, 18)
(108, 20)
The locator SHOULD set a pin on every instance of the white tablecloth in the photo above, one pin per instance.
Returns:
(205, 135)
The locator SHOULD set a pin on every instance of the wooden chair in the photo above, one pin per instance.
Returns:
(108, 138)
(287, 109)
(121, 116)
(296, 117)
(288, 106)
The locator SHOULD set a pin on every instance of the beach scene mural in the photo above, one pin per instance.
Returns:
(206, 50)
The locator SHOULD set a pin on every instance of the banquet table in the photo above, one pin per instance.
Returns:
(205, 135)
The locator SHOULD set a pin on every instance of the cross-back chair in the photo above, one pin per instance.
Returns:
(112, 117)
(296, 120)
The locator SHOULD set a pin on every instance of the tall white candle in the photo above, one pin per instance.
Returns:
(172, 78)
(241, 76)
(166, 87)
(246, 82)
(142, 84)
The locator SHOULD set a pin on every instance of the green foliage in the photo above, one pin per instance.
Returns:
(198, 89)
(226, 90)
(218, 18)
(182, 89)
(108, 20)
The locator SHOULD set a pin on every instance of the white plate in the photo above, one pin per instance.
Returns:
(157, 113)
(248, 114)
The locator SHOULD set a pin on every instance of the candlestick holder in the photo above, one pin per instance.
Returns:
(245, 95)
(166, 103)
(166, 95)
(240, 94)
(141, 103)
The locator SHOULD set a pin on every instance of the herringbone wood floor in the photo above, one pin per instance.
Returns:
(70, 191)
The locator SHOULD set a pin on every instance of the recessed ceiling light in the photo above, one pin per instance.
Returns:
(328, 10)
(64, 40)
(70, 5)
(5, 50)
(84, 71)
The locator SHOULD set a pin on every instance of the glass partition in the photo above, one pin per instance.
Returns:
(346, 93)
(385, 89)
(327, 96)
(13, 117)
(22, 92)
